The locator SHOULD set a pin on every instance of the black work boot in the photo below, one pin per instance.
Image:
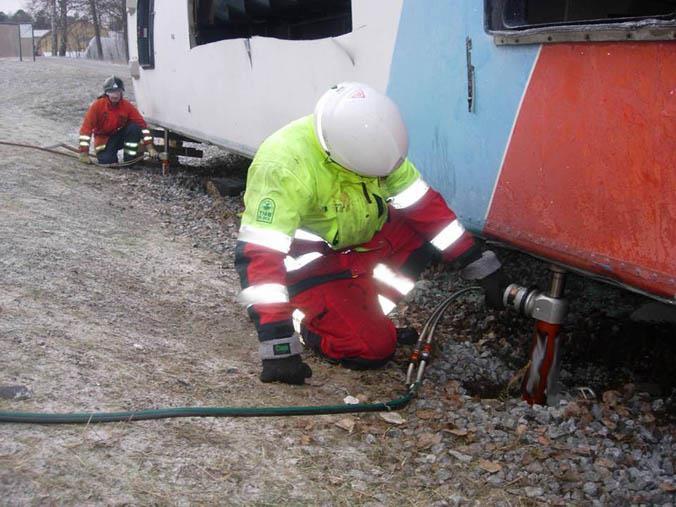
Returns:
(357, 363)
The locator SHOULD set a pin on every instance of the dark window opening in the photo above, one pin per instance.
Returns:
(216, 20)
(579, 20)
(528, 13)
(144, 33)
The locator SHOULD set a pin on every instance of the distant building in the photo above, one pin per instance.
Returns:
(79, 34)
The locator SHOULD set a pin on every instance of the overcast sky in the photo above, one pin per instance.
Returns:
(12, 6)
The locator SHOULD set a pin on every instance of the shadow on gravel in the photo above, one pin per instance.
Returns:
(642, 353)
(223, 173)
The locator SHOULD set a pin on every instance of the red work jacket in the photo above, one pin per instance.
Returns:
(103, 119)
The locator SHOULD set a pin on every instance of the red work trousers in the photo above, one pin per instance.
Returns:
(339, 296)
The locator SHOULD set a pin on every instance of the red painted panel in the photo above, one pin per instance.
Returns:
(589, 177)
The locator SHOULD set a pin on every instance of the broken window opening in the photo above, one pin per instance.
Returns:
(215, 20)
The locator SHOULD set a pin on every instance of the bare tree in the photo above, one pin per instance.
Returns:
(125, 27)
(21, 16)
(116, 14)
(58, 10)
(55, 38)
(63, 26)
(111, 14)
(48, 6)
(97, 28)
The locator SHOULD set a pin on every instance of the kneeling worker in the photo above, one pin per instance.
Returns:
(338, 224)
(115, 124)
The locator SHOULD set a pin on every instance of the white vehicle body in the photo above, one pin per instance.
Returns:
(234, 93)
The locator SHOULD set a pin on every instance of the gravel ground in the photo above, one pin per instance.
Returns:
(117, 292)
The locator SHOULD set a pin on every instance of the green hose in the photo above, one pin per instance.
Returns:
(168, 413)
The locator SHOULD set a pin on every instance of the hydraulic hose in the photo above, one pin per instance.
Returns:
(50, 149)
(426, 337)
(422, 352)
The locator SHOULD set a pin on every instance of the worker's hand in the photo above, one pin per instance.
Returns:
(487, 271)
(494, 286)
(152, 152)
(289, 370)
(84, 158)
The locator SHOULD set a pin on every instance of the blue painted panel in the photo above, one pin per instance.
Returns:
(458, 152)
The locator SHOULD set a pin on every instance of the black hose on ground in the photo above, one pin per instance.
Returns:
(50, 149)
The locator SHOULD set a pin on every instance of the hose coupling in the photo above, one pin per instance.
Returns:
(536, 304)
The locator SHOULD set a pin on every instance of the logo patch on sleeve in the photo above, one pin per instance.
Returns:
(281, 349)
(266, 211)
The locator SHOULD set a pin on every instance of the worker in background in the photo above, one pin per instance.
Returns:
(114, 124)
(337, 226)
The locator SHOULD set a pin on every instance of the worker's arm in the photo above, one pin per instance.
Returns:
(273, 202)
(427, 212)
(88, 127)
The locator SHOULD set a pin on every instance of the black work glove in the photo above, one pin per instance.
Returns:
(289, 370)
(494, 286)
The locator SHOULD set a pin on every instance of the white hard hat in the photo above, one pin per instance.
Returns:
(361, 129)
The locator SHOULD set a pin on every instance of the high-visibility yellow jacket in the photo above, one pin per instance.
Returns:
(293, 189)
(292, 184)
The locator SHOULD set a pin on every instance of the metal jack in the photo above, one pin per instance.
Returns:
(164, 156)
(540, 384)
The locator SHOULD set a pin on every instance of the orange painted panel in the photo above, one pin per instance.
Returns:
(589, 176)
